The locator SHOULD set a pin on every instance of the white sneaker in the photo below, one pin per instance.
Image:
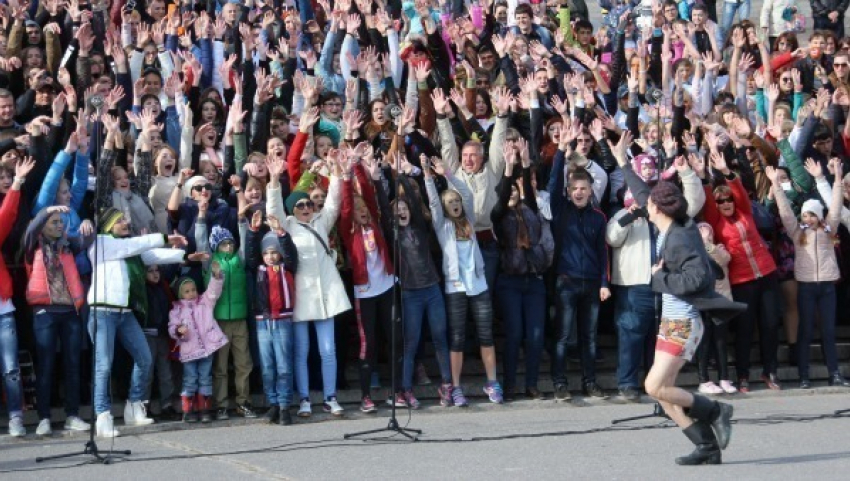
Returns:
(135, 414)
(333, 407)
(710, 388)
(305, 409)
(105, 426)
(44, 428)
(16, 427)
(74, 423)
(728, 387)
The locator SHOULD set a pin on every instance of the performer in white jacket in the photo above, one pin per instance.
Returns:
(116, 296)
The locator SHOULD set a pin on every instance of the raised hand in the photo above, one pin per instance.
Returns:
(814, 168)
(438, 97)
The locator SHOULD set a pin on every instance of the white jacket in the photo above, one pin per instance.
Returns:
(445, 228)
(110, 275)
(771, 17)
(631, 262)
(319, 291)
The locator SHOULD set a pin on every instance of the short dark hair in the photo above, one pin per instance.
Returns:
(524, 8)
(699, 6)
(581, 174)
(582, 24)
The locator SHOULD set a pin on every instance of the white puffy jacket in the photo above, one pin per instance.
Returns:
(111, 280)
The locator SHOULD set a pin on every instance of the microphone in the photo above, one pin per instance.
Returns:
(96, 101)
(655, 94)
(393, 111)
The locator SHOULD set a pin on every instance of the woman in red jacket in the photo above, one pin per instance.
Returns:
(372, 269)
(752, 273)
(9, 368)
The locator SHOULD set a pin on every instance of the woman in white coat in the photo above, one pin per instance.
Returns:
(319, 291)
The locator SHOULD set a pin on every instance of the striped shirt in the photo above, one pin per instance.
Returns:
(671, 306)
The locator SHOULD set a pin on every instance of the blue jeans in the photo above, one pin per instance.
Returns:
(66, 329)
(729, 9)
(125, 326)
(490, 253)
(634, 314)
(276, 348)
(816, 298)
(578, 299)
(523, 305)
(327, 350)
(9, 364)
(197, 377)
(417, 304)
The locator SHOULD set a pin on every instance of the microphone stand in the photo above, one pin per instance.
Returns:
(392, 425)
(90, 448)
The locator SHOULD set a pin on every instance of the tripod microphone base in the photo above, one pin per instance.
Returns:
(841, 412)
(392, 426)
(90, 449)
(657, 412)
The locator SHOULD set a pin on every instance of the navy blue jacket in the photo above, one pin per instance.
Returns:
(580, 248)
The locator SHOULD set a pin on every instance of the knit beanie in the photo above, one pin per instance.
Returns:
(813, 206)
(187, 187)
(270, 241)
(219, 234)
(293, 199)
(108, 218)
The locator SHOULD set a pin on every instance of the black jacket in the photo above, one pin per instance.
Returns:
(688, 273)
(253, 260)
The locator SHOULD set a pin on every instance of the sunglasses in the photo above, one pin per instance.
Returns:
(198, 188)
(308, 204)
(786, 80)
(840, 64)
(724, 200)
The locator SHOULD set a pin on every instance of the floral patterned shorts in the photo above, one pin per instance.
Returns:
(679, 337)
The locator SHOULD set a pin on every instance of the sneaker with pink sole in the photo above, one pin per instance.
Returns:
(710, 388)
(728, 387)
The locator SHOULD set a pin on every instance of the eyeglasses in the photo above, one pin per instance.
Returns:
(307, 204)
(198, 188)
(724, 200)
(333, 104)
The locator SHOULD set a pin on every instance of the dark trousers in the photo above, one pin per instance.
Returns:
(458, 307)
(373, 311)
(763, 300)
(577, 304)
(816, 298)
(523, 306)
(714, 339)
(823, 23)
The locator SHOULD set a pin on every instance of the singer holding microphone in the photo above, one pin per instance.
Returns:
(684, 275)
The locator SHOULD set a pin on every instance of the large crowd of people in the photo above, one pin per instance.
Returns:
(226, 185)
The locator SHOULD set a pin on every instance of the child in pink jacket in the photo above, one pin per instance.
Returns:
(197, 333)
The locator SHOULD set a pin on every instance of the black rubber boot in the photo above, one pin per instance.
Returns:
(273, 414)
(707, 451)
(717, 414)
(285, 417)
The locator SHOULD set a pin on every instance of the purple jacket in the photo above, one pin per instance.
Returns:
(204, 336)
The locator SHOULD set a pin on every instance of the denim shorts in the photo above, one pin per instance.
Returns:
(679, 337)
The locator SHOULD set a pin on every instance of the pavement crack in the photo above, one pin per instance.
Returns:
(229, 460)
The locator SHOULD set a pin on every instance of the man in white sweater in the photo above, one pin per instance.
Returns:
(632, 239)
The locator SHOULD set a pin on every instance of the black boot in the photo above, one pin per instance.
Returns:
(285, 417)
(718, 415)
(707, 451)
(272, 414)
